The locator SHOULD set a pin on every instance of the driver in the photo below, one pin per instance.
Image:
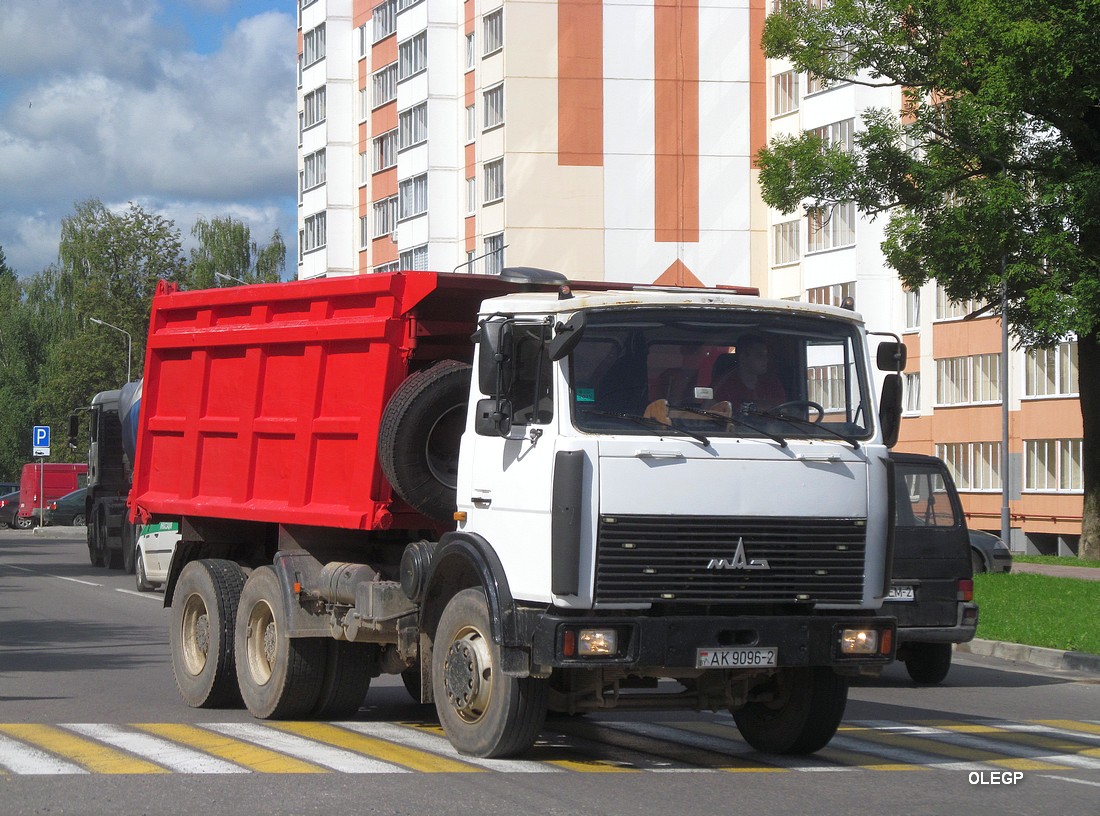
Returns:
(749, 385)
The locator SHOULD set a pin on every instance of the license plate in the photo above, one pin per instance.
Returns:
(900, 593)
(739, 658)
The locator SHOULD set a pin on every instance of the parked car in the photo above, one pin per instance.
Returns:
(8, 487)
(9, 506)
(66, 511)
(932, 586)
(988, 553)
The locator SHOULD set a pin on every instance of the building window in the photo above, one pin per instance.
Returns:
(1053, 465)
(364, 44)
(415, 258)
(831, 228)
(785, 243)
(947, 309)
(412, 55)
(912, 392)
(385, 85)
(384, 18)
(494, 254)
(838, 134)
(385, 150)
(494, 106)
(494, 180)
(412, 124)
(1051, 372)
(385, 217)
(975, 466)
(314, 234)
(833, 295)
(816, 84)
(364, 231)
(968, 380)
(912, 309)
(785, 92)
(364, 167)
(313, 45)
(404, 4)
(313, 170)
(412, 195)
(314, 108)
(386, 268)
(493, 32)
(471, 196)
(471, 124)
(471, 52)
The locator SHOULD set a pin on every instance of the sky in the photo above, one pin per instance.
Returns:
(184, 107)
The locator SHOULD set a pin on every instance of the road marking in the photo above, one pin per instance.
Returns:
(364, 743)
(18, 758)
(337, 759)
(1031, 746)
(245, 754)
(50, 575)
(1071, 779)
(91, 755)
(932, 740)
(149, 595)
(168, 754)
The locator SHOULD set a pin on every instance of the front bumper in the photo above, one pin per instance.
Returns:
(672, 642)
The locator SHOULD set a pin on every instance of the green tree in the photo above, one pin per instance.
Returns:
(225, 247)
(994, 162)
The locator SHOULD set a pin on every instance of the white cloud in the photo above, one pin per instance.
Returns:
(203, 134)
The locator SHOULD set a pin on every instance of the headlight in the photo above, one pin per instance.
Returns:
(859, 641)
(597, 642)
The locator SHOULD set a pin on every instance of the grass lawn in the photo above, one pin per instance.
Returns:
(1057, 560)
(1039, 610)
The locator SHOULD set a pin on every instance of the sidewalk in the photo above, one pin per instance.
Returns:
(1086, 573)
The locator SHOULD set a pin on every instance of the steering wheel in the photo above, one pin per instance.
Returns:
(809, 404)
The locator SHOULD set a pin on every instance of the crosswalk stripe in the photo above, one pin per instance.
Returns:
(431, 740)
(1073, 725)
(930, 741)
(1029, 746)
(391, 752)
(337, 759)
(168, 754)
(91, 755)
(18, 758)
(244, 754)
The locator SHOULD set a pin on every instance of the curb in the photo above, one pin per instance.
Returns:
(1033, 655)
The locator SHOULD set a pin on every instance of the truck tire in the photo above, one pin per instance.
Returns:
(95, 552)
(418, 439)
(346, 680)
(484, 712)
(129, 547)
(928, 663)
(279, 677)
(805, 713)
(200, 633)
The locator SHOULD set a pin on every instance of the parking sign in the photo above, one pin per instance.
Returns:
(40, 440)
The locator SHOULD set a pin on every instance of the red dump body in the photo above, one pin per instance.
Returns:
(262, 403)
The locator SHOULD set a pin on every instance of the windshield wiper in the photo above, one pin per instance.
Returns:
(732, 421)
(851, 440)
(655, 426)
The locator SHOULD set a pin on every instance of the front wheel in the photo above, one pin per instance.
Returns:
(484, 712)
(928, 663)
(23, 522)
(800, 713)
(200, 634)
(78, 520)
(279, 677)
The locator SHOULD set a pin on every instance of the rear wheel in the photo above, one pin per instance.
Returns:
(23, 522)
(200, 634)
(78, 520)
(803, 710)
(95, 548)
(142, 580)
(279, 677)
(348, 668)
(484, 712)
(928, 663)
(977, 562)
(129, 547)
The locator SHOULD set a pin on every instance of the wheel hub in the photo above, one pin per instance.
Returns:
(468, 676)
(195, 635)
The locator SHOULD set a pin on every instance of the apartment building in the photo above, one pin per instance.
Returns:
(614, 141)
(602, 140)
(952, 383)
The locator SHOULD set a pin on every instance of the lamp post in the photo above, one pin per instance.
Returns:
(129, 343)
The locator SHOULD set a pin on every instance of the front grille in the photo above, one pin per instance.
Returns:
(703, 559)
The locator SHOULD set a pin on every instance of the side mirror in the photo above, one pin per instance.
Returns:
(889, 409)
(496, 367)
(493, 417)
(74, 429)
(891, 356)
(566, 337)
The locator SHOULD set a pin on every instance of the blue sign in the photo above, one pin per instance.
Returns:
(40, 440)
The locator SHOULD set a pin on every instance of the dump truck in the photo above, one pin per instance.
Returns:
(111, 419)
(521, 495)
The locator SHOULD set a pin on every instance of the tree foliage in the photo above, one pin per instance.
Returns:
(991, 172)
(54, 358)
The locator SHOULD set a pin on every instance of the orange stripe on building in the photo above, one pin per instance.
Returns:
(676, 120)
(758, 79)
(580, 83)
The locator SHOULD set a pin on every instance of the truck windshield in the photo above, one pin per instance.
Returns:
(720, 373)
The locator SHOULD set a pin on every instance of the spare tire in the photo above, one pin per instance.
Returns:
(420, 435)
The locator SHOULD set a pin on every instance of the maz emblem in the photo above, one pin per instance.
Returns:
(739, 561)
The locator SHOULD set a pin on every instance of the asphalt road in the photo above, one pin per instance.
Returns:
(90, 723)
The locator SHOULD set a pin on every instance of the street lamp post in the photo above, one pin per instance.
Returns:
(129, 343)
